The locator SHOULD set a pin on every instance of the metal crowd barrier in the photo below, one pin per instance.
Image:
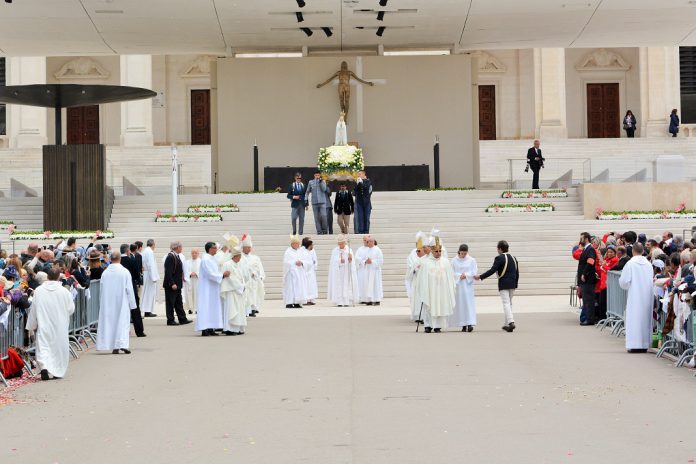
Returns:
(616, 305)
(82, 328)
(13, 335)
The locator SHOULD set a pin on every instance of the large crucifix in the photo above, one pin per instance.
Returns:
(343, 78)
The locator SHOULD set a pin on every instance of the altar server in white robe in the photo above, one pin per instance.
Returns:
(294, 274)
(637, 278)
(150, 278)
(370, 283)
(257, 290)
(232, 290)
(208, 303)
(310, 256)
(358, 254)
(116, 299)
(436, 289)
(413, 264)
(193, 266)
(464, 268)
(343, 278)
(49, 316)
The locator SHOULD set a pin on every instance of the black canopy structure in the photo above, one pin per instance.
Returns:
(59, 96)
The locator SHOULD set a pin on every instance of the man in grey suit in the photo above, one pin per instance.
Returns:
(317, 187)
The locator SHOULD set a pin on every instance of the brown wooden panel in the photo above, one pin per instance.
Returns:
(487, 129)
(83, 125)
(74, 181)
(603, 116)
(200, 117)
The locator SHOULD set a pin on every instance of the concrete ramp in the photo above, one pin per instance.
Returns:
(20, 190)
(640, 176)
(601, 178)
(130, 189)
(565, 181)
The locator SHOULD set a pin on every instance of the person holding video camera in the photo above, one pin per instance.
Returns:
(535, 161)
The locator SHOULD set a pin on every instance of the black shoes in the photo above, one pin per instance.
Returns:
(470, 328)
(437, 331)
(44, 375)
(230, 333)
(297, 306)
(289, 306)
(310, 303)
(141, 335)
(508, 327)
(428, 330)
(252, 314)
(376, 303)
(125, 351)
(150, 315)
(172, 323)
(634, 350)
(586, 323)
(185, 321)
(209, 333)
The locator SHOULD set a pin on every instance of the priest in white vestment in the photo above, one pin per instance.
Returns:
(637, 278)
(413, 264)
(310, 256)
(343, 278)
(233, 292)
(370, 282)
(294, 274)
(116, 299)
(150, 278)
(49, 317)
(436, 290)
(208, 303)
(193, 266)
(257, 290)
(359, 253)
(464, 268)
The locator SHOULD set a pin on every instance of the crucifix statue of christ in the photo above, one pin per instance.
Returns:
(344, 75)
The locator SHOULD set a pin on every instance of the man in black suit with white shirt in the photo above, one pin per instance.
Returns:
(535, 161)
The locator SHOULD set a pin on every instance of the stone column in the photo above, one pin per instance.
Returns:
(475, 144)
(659, 89)
(550, 93)
(26, 125)
(214, 144)
(136, 116)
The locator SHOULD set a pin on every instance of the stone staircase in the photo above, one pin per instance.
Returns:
(541, 241)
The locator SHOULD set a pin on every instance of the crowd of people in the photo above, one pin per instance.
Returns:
(345, 204)
(441, 291)
(657, 272)
(354, 278)
(224, 287)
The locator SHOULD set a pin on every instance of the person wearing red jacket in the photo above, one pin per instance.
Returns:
(607, 263)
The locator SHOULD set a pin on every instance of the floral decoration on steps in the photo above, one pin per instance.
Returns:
(530, 208)
(680, 212)
(551, 193)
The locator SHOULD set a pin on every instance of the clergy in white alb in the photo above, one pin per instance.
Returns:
(637, 278)
(294, 275)
(370, 280)
(208, 303)
(343, 278)
(232, 288)
(116, 299)
(310, 256)
(150, 278)
(436, 290)
(464, 268)
(257, 290)
(49, 317)
(359, 253)
(413, 264)
(193, 266)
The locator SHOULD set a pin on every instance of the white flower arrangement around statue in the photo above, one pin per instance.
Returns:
(531, 208)
(159, 217)
(59, 234)
(552, 193)
(229, 208)
(340, 162)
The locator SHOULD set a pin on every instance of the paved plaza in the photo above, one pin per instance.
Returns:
(361, 389)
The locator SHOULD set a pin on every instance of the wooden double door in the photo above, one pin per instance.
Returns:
(603, 114)
(83, 125)
(487, 118)
(200, 117)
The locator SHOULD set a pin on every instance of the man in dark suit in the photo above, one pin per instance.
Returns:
(343, 207)
(130, 263)
(587, 278)
(363, 203)
(535, 162)
(507, 268)
(296, 195)
(173, 283)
